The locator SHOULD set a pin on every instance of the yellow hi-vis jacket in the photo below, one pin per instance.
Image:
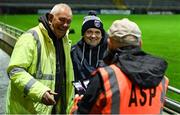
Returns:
(32, 71)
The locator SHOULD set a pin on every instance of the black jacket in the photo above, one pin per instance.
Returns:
(86, 58)
(143, 70)
(60, 66)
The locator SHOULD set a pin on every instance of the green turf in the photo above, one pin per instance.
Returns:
(160, 34)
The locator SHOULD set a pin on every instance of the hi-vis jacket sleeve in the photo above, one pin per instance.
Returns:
(21, 68)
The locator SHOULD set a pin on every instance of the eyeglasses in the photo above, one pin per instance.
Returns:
(97, 33)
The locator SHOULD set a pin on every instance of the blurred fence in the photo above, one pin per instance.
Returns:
(11, 30)
(172, 106)
(8, 37)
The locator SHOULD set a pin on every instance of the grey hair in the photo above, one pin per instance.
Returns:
(127, 40)
(59, 7)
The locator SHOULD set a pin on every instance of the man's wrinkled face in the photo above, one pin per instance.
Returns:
(61, 22)
(92, 36)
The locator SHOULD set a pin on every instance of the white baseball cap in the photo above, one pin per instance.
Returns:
(123, 27)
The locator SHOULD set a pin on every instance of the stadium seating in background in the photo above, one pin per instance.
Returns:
(161, 5)
(136, 6)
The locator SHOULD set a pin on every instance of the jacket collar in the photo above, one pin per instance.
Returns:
(141, 68)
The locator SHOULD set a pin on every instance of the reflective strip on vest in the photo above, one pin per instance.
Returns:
(18, 69)
(117, 85)
(39, 74)
(163, 93)
(45, 76)
(28, 86)
(38, 65)
(15, 70)
(114, 89)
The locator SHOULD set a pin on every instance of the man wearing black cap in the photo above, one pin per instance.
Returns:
(89, 50)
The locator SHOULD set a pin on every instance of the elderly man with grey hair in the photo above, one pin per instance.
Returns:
(40, 68)
(130, 81)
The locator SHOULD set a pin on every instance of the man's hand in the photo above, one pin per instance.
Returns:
(48, 98)
(74, 108)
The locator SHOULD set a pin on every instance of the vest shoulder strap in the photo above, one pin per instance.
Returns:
(38, 65)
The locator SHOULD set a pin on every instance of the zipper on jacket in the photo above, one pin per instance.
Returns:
(90, 53)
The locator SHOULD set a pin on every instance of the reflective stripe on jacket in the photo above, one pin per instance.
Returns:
(31, 74)
(123, 97)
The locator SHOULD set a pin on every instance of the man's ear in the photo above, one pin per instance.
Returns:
(50, 18)
(140, 43)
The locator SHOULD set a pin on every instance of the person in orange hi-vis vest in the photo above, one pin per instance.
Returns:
(129, 81)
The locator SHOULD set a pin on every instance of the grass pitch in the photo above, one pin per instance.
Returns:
(160, 35)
